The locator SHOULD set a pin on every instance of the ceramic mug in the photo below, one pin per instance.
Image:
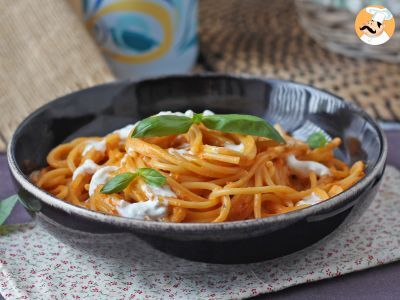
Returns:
(142, 38)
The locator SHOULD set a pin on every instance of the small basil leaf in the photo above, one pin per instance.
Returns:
(152, 176)
(118, 183)
(6, 207)
(162, 126)
(243, 124)
(31, 203)
(316, 140)
(197, 118)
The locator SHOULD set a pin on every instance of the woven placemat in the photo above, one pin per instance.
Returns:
(265, 38)
(45, 52)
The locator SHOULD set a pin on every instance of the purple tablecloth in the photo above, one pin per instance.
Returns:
(378, 283)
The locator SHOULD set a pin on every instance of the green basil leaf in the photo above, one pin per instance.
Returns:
(243, 124)
(27, 200)
(316, 140)
(162, 126)
(152, 176)
(6, 207)
(197, 118)
(118, 183)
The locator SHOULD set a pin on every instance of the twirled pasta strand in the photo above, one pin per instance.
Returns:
(212, 182)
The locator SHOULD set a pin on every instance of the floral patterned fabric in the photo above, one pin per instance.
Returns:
(35, 265)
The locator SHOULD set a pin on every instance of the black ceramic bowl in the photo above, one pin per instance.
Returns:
(298, 108)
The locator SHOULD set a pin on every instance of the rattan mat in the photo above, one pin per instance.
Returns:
(45, 52)
(264, 38)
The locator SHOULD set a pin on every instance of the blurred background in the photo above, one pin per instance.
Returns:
(52, 47)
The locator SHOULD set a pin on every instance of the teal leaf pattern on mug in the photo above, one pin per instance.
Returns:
(189, 43)
(137, 41)
(131, 40)
(85, 7)
(97, 5)
(132, 33)
(88, 9)
(189, 38)
(136, 33)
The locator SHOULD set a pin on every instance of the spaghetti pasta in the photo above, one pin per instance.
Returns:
(211, 176)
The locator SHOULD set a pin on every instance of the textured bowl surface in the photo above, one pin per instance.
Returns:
(298, 108)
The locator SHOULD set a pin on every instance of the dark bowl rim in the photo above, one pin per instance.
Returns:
(154, 226)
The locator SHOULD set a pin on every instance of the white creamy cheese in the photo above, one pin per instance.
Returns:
(234, 147)
(309, 200)
(170, 113)
(125, 131)
(164, 191)
(101, 176)
(208, 113)
(146, 210)
(88, 167)
(179, 151)
(99, 146)
(184, 146)
(304, 168)
(153, 192)
(152, 209)
(182, 151)
(123, 160)
(189, 113)
(131, 151)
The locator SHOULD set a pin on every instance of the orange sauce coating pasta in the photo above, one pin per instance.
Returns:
(212, 182)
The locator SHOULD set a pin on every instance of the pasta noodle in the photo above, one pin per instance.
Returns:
(211, 176)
